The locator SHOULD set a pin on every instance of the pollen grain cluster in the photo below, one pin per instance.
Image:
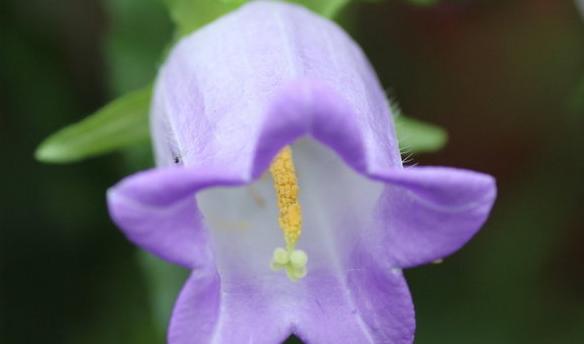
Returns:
(286, 187)
(291, 260)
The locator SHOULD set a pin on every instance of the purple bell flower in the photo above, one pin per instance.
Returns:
(273, 89)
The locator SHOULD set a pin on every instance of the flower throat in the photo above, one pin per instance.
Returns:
(290, 218)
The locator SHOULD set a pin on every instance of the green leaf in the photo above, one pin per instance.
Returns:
(121, 123)
(189, 15)
(164, 283)
(137, 35)
(419, 137)
(326, 8)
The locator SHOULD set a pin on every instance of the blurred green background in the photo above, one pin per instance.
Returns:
(506, 78)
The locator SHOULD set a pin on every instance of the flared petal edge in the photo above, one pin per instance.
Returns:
(427, 213)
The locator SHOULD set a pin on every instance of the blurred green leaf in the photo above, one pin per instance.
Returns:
(326, 8)
(189, 15)
(418, 137)
(138, 32)
(121, 123)
(164, 281)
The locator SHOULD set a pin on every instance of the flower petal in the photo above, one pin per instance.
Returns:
(380, 308)
(156, 210)
(384, 303)
(209, 311)
(196, 310)
(236, 91)
(427, 213)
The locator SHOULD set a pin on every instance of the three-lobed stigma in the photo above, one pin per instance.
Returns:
(293, 261)
(290, 217)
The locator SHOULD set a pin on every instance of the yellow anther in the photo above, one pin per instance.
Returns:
(286, 186)
(290, 219)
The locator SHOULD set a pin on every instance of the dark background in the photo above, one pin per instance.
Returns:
(505, 78)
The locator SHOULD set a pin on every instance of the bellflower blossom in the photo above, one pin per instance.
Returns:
(271, 120)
